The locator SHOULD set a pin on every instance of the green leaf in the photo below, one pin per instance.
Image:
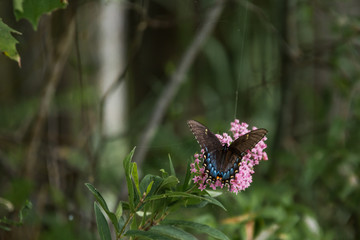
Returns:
(169, 182)
(128, 169)
(149, 187)
(5, 228)
(32, 10)
(213, 193)
(196, 203)
(103, 227)
(173, 232)
(18, 5)
(119, 210)
(214, 201)
(133, 224)
(148, 234)
(8, 42)
(186, 196)
(103, 204)
(187, 176)
(144, 184)
(136, 178)
(97, 196)
(198, 227)
(164, 174)
(24, 211)
(121, 222)
(172, 170)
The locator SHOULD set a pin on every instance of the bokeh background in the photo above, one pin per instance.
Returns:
(101, 77)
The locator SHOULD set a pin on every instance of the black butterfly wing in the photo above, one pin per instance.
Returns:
(247, 141)
(204, 136)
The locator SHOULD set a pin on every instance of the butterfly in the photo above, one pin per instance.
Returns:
(222, 162)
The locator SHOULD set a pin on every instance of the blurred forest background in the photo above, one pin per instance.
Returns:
(100, 77)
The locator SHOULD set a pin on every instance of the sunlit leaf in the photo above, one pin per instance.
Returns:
(136, 178)
(119, 210)
(148, 189)
(128, 169)
(214, 193)
(8, 42)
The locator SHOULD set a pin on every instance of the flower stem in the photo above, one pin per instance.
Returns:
(142, 200)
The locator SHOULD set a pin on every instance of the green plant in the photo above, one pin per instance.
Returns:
(5, 223)
(150, 201)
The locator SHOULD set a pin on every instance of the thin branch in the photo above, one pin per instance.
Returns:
(176, 79)
(62, 53)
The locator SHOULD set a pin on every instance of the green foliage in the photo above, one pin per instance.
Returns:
(103, 227)
(250, 68)
(8, 42)
(32, 10)
(150, 202)
(6, 223)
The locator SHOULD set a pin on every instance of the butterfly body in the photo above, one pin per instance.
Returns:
(223, 162)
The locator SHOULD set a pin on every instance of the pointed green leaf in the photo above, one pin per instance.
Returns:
(103, 227)
(8, 42)
(149, 234)
(127, 161)
(198, 227)
(214, 201)
(186, 196)
(98, 197)
(136, 178)
(172, 169)
(32, 10)
(104, 206)
(187, 176)
(149, 187)
(128, 169)
(213, 193)
(145, 182)
(119, 210)
(173, 232)
(137, 197)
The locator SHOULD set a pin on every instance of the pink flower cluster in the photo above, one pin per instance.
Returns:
(243, 178)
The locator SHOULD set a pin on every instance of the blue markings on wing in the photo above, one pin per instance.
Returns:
(210, 164)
